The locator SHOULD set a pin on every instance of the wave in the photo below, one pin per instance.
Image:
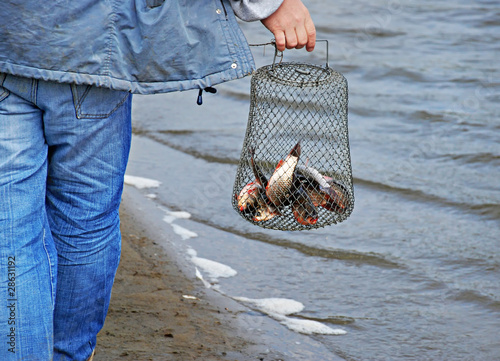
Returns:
(402, 74)
(488, 210)
(375, 31)
(190, 147)
(471, 296)
(350, 256)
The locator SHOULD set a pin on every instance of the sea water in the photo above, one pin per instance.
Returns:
(414, 273)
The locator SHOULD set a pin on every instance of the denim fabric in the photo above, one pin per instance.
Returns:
(143, 46)
(63, 154)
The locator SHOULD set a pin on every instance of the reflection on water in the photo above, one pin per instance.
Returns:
(413, 273)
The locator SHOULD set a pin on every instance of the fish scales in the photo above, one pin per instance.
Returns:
(280, 184)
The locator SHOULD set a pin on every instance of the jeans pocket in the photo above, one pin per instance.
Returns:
(4, 93)
(93, 102)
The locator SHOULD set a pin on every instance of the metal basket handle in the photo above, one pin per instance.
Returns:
(279, 54)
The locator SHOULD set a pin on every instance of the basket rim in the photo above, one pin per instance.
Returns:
(328, 74)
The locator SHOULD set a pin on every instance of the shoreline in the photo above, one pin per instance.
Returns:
(158, 313)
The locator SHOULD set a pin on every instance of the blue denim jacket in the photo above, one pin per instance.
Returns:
(141, 46)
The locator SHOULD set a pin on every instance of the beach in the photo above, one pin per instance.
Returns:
(159, 313)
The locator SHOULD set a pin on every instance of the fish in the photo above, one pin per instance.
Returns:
(340, 202)
(249, 194)
(323, 191)
(281, 181)
(313, 174)
(303, 208)
(313, 189)
(264, 211)
(246, 197)
(252, 199)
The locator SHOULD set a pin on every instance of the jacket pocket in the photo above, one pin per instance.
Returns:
(93, 102)
(4, 93)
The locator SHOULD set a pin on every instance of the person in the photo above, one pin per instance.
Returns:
(67, 72)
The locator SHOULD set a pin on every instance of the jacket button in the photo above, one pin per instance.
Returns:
(218, 11)
(234, 65)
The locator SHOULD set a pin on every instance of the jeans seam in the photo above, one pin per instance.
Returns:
(78, 100)
(50, 269)
(4, 93)
(34, 89)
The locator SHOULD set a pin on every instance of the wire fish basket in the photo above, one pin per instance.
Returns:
(295, 165)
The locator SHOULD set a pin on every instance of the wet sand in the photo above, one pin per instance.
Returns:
(150, 319)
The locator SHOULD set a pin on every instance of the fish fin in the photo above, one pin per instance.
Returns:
(260, 178)
(295, 152)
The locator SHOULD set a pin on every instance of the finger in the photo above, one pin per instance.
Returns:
(302, 38)
(279, 37)
(311, 34)
(291, 39)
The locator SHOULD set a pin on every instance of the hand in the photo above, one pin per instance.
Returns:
(292, 26)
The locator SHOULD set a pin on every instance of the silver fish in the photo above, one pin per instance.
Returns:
(247, 197)
(280, 183)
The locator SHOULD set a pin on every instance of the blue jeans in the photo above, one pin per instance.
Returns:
(63, 154)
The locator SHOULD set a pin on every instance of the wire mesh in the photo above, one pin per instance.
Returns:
(295, 167)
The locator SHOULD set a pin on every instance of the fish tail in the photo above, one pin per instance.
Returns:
(295, 152)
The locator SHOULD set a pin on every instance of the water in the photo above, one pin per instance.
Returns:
(414, 273)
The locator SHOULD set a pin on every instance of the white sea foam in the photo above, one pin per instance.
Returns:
(183, 232)
(172, 216)
(180, 214)
(150, 196)
(140, 182)
(191, 252)
(169, 219)
(280, 308)
(214, 269)
(309, 327)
